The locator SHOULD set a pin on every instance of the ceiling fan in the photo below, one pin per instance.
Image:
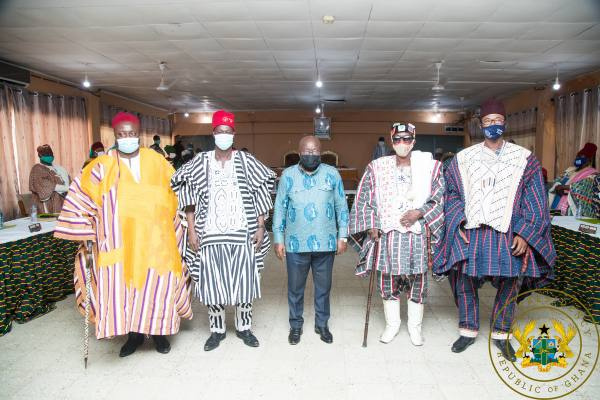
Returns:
(437, 86)
(162, 87)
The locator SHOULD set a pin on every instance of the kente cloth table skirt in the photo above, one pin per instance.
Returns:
(35, 272)
(577, 269)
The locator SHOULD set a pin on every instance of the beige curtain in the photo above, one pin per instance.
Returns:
(28, 120)
(521, 127)
(577, 122)
(61, 122)
(8, 166)
(149, 126)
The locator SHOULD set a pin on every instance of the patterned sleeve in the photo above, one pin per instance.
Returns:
(281, 206)
(364, 210)
(450, 244)
(433, 209)
(79, 215)
(341, 207)
(532, 223)
(261, 182)
(186, 182)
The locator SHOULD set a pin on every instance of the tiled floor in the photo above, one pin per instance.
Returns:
(42, 359)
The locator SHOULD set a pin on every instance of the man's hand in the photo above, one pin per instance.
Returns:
(374, 234)
(258, 237)
(519, 246)
(193, 241)
(410, 217)
(562, 189)
(280, 250)
(342, 246)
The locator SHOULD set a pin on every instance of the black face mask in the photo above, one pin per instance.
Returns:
(310, 162)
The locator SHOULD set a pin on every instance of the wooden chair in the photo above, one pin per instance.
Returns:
(330, 157)
(25, 201)
(291, 158)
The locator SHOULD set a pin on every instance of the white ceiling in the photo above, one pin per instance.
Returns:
(251, 55)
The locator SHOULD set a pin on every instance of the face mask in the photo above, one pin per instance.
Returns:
(224, 140)
(157, 142)
(381, 144)
(100, 153)
(172, 155)
(47, 159)
(403, 149)
(580, 161)
(493, 131)
(310, 162)
(128, 145)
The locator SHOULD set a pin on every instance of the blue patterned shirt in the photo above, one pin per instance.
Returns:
(310, 210)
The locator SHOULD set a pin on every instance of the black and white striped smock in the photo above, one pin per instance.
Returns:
(226, 268)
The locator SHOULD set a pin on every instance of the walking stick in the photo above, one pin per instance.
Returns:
(88, 288)
(370, 295)
(429, 250)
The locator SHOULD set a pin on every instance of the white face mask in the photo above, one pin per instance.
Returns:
(403, 149)
(128, 145)
(224, 140)
(172, 155)
(100, 153)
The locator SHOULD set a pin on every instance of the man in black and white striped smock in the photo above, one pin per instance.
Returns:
(226, 197)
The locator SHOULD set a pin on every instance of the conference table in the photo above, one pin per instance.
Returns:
(36, 270)
(577, 264)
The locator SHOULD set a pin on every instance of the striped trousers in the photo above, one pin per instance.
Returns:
(391, 286)
(465, 289)
(243, 317)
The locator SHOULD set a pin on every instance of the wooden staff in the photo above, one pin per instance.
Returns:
(429, 250)
(88, 288)
(370, 295)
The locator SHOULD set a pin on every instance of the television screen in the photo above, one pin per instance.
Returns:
(322, 127)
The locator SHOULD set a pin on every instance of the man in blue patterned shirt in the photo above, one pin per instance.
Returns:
(310, 227)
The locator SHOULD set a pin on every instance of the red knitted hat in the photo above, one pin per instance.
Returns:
(223, 117)
(125, 117)
(589, 150)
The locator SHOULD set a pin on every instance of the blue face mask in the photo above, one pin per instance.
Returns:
(493, 131)
(580, 160)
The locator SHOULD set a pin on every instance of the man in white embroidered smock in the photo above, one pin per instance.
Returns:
(399, 199)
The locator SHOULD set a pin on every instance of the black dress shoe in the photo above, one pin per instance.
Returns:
(248, 337)
(134, 340)
(462, 343)
(326, 336)
(213, 341)
(162, 344)
(506, 348)
(294, 336)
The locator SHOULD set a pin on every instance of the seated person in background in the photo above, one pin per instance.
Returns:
(188, 153)
(574, 189)
(48, 183)
(170, 153)
(96, 150)
(438, 153)
(156, 146)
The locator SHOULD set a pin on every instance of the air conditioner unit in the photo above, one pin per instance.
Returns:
(453, 129)
(15, 75)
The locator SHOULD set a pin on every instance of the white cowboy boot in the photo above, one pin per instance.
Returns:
(415, 318)
(391, 310)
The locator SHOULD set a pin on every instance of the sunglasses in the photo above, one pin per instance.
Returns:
(403, 139)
